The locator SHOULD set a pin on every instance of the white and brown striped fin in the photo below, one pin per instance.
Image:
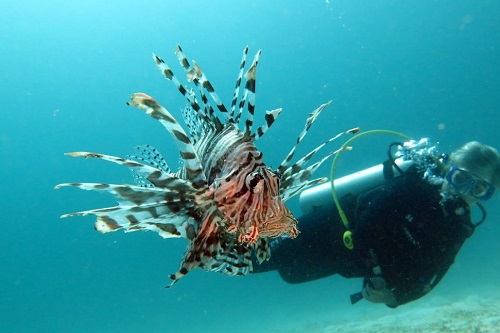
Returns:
(270, 118)
(249, 94)
(237, 86)
(157, 177)
(147, 155)
(196, 75)
(215, 250)
(170, 213)
(192, 163)
(206, 113)
(297, 173)
(310, 120)
(224, 200)
(295, 183)
(295, 178)
(198, 128)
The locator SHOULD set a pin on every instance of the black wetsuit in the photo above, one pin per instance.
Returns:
(404, 225)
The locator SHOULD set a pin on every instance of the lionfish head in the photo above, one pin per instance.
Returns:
(253, 206)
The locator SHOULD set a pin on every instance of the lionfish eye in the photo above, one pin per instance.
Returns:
(253, 179)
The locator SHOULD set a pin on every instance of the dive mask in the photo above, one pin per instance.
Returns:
(467, 183)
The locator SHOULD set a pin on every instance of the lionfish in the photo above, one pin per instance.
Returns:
(224, 200)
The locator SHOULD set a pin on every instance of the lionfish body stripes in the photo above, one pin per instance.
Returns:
(224, 200)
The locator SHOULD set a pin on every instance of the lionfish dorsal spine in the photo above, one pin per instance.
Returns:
(249, 95)
(193, 166)
(207, 113)
(237, 85)
(196, 75)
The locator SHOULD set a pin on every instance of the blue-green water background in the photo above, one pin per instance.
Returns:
(425, 68)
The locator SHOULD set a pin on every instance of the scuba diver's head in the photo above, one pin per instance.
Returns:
(474, 172)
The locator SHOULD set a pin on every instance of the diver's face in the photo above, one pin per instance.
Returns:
(469, 185)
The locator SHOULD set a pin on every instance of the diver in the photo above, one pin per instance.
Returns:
(401, 236)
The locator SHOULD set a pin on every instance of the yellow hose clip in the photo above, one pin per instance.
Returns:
(347, 237)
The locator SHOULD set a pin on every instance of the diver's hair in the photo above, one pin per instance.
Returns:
(478, 158)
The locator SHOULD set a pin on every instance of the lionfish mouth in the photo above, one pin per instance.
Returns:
(223, 200)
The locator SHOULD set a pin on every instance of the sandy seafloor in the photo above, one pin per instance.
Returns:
(473, 314)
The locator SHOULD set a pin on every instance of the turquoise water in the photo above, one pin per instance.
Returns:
(425, 68)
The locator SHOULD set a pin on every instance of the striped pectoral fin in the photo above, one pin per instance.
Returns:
(131, 195)
(159, 219)
(202, 248)
(149, 155)
(170, 213)
(193, 165)
(157, 174)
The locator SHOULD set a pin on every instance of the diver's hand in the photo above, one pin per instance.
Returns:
(375, 290)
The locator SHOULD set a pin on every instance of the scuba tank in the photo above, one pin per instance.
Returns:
(325, 196)
(320, 197)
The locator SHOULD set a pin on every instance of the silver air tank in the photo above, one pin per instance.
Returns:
(320, 197)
